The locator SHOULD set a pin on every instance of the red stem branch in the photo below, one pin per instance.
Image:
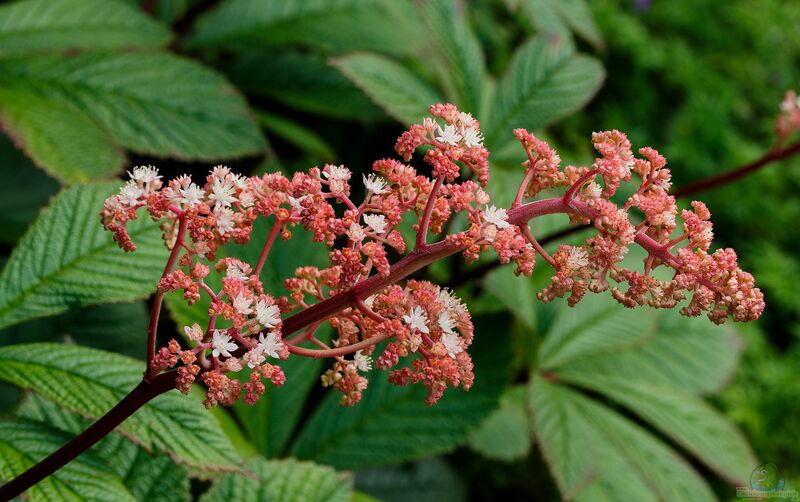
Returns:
(422, 233)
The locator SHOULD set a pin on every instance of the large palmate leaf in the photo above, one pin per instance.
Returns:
(59, 138)
(330, 25)
(284, 480)
(392, 424)
(393, 87)
(461, 65)
(505, 434)
(304, 81)
(23, 192)
(654, 363)
(25, 442)
(66, 259)
(57, 25)
(149, 478)
(546, 81)
(89, 382)
(596, 454)
(151, 103)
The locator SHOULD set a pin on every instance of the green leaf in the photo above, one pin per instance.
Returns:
(684, 418)
(689, 354)
(390, 85)
(66, 259)
(598, 327)
(24, 191)
(564, 17)
(516, 293)
(300, 136)
(89, 382)
(58, 138)
(338, 26)
(546, 81)
(302, 81)
(596, 454)
(115, 327)
(460, 64)
(154, 479)
(284, 480)
(59, 25)
(506, 433)
(25, 442)
(429, 480)
(392, 424)
(151, 103)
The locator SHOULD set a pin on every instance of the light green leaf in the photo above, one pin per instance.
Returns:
(599, 326)
(305, 139)
(24, 191)
(596, 454)
(564, 17)
(25, 442)
(58, 138)
(516, 293)
(337, 26)
(89, 382)
(546, 81)
(390, 85)
(303, 81)
(58, 25)
(285, 481)
(506, 433)
(684, 418)
(460, 64)
(392, 424)
(689, 354)
(429, 480)
(151, 103)
(148, 478)
(66, 259)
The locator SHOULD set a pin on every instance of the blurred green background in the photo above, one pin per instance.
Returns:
(591, 403)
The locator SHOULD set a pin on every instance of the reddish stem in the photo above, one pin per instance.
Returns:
(152, 328)
(422, 233)
(262, 259)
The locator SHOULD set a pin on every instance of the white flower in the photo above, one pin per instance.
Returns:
(377, 222)
(130, 193)
(370, 301)
(193, 332)
(429, 124)
(224, 218)
(496, 216)
(577, 258)
(417, 320)
(446, 322)
(270, 345)
(356, 232)
(268, 315)
(235, 272)
(472, 137)
(254, 357)
(242, 304)
(220, 171)
(222, 193)
(362, 361)
(246, 198)
(450, 302)
(466, 119)
(448, 135)
(222, 344)
(144, 174)
(339, 173)
(375, 184)
(297, 203)
(452, 344)
(191, 195)
(593, 190)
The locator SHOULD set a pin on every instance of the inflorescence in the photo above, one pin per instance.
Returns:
(360, 294)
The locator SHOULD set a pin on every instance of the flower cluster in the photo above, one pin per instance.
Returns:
(426, 329)
(789, 119)
(715, 281)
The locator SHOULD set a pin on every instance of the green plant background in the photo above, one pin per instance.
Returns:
(590, 403)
